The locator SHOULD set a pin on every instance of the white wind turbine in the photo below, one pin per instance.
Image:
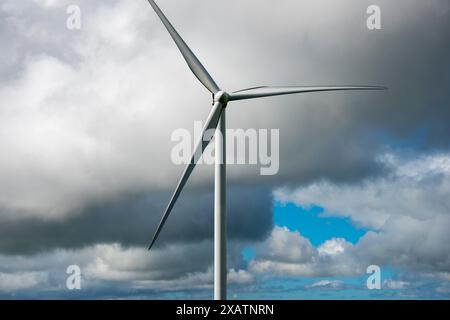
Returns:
(216, 120)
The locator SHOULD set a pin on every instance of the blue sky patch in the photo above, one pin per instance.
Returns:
(312, 225)
(248, 253)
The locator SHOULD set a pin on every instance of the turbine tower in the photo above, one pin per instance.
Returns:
(216, 120)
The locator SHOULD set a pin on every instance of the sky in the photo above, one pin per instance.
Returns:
(86, 118)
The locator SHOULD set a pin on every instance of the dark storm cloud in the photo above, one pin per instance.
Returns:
(338, 136)
(132, 222)
(101, 100)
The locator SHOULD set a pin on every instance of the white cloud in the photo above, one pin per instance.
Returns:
(176, 267)
(20, 281)
(395, 284)
(413, 235)
(287, 246)
(240, 276)
(285, 252)
(416, 188)
(47, 3)
(333, 246)
(333, 284)
(408, 209)
(294, 256)
(74, 134)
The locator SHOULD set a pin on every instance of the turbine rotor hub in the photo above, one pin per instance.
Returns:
(221, 97)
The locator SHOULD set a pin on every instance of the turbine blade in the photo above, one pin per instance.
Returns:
(194, 64)
(211, 123)
(259, 92)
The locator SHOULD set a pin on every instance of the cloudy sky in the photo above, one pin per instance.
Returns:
(86, 118)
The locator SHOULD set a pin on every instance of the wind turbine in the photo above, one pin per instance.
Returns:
(216, 120)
